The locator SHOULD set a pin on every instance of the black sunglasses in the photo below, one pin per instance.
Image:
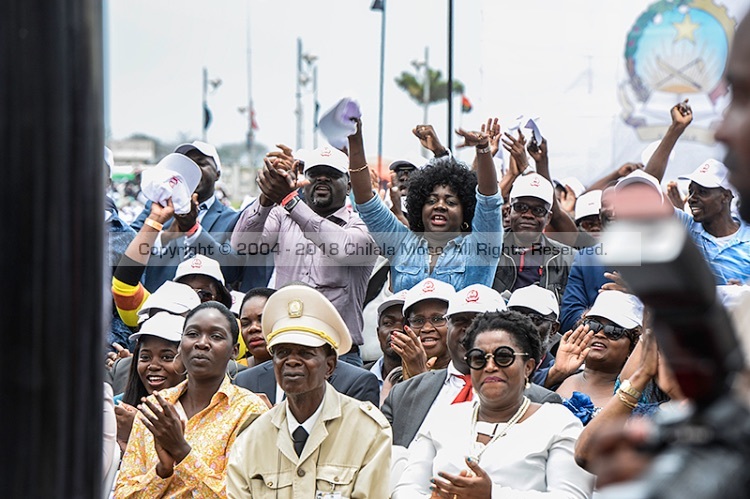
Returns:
(610, 331)
(205, 295)
(502, 356)
(537, 211)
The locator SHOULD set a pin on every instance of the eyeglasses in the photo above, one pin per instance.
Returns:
(610, 331)
(502, 356)
(590, 223)
(538, 319)
(419, 322)
(537, 211)
(205, 295)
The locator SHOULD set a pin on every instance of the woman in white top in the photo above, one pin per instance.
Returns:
(499, 445)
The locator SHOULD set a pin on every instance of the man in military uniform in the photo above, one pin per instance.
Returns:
(326, 445)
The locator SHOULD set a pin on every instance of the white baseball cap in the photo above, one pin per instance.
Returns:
(172, 297)
(532, 185)
(428, 289)
(476, 298)
(301, 315)
(204, 148)
(710, 174)
(639, 177)
(572, 182)
(237, 297)
(623, 309)
(536, 298)
(396, 299)
(162, 325)
(590, 203)
(175, 176)
(324, 156)
(203, 265)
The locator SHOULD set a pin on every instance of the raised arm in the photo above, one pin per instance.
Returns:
(682, 116)
(359, 172)
(613, 176)
(128, 292)
(561, 227)
(486, 174)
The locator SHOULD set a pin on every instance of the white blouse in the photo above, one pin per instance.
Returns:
(534, 459)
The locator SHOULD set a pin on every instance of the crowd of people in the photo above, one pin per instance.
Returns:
(242, 357)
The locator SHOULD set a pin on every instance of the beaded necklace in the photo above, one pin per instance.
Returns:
(478, 447)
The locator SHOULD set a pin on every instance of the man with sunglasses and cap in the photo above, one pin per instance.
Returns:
(540, 306)
(325, 444)
(317, 241)
(530, 257)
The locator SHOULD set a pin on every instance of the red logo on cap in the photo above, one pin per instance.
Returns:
(428, 287)
(174, 181)
(325, 152)
(472, 296)
(534, 183)
(704, 168)
(196, 263)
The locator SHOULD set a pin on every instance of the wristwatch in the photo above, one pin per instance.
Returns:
(289, 205)
(628, 389)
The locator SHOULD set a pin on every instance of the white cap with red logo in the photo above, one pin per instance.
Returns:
(428, 289)
(396, 299)
(532, 185)
(324, 156)
(710, 174)
(476, 298)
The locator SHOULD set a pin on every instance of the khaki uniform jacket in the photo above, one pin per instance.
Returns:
(347, 452)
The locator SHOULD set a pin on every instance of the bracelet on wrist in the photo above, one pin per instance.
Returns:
(483, 149)
(193, 229)
(154, 224)
(355, 170)
(289, 197)
(289, 205)
(441, 154)
(627, 388)
(625, 401)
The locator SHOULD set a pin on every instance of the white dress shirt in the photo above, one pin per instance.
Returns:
(534, 459)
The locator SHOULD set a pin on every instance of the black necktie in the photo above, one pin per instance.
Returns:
(300, 437)
(202, 207)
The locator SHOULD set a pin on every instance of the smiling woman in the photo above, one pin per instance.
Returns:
(181, 439)
(453, 214)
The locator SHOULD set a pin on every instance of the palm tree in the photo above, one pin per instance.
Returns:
(438, 89)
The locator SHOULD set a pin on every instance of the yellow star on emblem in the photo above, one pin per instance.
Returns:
(686, 29)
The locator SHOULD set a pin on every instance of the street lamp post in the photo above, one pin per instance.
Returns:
(298, 94)
(380, 5)
(208, 85)
(303, 78)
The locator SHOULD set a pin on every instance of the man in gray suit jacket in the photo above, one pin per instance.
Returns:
(409, 402)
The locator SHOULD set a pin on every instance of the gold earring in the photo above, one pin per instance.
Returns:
(528, 383)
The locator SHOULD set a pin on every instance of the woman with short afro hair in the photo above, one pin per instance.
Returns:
(455, 232)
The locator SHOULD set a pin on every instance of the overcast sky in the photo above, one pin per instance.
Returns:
(560, 61)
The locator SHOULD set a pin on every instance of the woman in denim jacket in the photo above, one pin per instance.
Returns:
(455, 232)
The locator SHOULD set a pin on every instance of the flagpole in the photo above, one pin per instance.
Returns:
(204, 127)
(250, 108)
(450, 74)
